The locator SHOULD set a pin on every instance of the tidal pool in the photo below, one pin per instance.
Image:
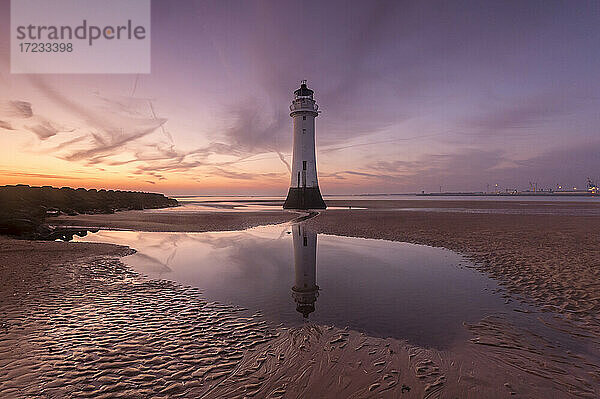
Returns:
(291, 274)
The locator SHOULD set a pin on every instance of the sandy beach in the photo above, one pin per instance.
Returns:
(299, 199)
(176, 221)
(76, 322)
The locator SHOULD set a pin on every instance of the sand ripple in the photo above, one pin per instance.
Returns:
(93, 328)
(96, 329)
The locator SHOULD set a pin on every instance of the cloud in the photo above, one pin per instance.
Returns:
(258, 125)
(162, 127)
(94, 120)
(465, 168)
(255, 127)
(118, 126)
(112, 141)
(583, 160)
(20, 116)
(43, 130)
(334, 148)
(13, 173)
(229, 174)
(111, 127)
(332, 175)
(367, 33)
(63, 145)
(364, 174)
(475, 169)
(5, 125)
(234, 175)
(285, 162)
(170, 165)
(111, 124)
(525, 113)
(337, 63)
(16, 109)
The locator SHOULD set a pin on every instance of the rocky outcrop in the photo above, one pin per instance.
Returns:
(23, 209)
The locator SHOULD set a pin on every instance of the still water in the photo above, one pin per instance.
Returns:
(290, 274)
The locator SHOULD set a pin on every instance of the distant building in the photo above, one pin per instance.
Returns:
(304, 190)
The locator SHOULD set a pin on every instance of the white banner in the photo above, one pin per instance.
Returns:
(80, 36)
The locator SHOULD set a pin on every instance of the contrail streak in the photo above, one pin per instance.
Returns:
(162, 126)
(286, 163)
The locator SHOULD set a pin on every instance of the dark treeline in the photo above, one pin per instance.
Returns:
(23, 209)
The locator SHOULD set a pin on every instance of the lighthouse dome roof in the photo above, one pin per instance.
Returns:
(303, 90)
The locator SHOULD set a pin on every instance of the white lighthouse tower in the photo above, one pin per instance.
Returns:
(304, 190)
(305, 290)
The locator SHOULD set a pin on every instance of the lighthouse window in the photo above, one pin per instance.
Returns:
(303, 165)
(305, 241)
(303, 131)
(304, 117)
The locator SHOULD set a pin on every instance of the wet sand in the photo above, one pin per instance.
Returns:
(75, 322)
(176, 219)
(549, 261)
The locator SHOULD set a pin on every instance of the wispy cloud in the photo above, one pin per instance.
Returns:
(45, 129)
(117, 128)
(255, 128)
(236, 175)
(521, 113)
(5, 125)
(285, 162)
(13, 173)
(16, 109)
(19, 115)
(109, 143)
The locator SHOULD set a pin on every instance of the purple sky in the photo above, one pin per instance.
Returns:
(415, 95)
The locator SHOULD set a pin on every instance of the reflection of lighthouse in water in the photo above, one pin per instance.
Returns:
(305, 290)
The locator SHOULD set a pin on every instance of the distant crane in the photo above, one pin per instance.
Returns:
(533, 186)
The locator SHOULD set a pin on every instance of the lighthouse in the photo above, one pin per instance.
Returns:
(305, 290)
(304, 190)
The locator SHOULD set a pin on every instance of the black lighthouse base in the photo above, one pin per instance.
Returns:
(304, 198)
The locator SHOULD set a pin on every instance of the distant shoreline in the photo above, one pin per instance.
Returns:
(451, 194)
(522, 194)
